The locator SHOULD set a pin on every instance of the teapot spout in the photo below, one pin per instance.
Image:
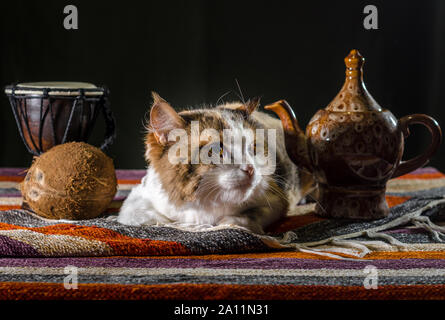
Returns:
(295, 139)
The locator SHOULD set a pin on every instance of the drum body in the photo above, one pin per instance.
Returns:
(52, 113)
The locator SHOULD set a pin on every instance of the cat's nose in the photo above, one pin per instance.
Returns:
(248, 169)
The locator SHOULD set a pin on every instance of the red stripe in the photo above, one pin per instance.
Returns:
(96, 291)
(12, 178)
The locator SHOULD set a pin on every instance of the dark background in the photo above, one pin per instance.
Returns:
(191, 52)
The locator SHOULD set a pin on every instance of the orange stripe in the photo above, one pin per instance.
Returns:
(97, 291)
(436, 175)
(394, 200)
(129, 181)
(4, 208)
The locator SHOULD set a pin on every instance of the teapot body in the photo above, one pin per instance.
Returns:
(353, 147)
(353, 154)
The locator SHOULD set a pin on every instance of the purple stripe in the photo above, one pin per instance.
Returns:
(10, 195)
(13, 171)
(130, 174)
(407, 230)
(139, 173)
(425, 170)
(239, 263)
(17, 194)
(13, 248)
(121, 174)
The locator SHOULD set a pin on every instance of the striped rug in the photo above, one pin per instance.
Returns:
(304, 256)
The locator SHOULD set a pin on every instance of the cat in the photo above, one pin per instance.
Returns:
(211, 194)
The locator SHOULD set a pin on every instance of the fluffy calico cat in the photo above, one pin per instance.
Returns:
(210, 194)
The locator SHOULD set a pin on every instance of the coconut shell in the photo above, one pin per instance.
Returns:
(72, 181)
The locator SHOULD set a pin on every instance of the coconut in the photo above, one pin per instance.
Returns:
(72, 181)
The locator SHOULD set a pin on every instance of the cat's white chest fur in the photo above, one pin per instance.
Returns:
(148, 204)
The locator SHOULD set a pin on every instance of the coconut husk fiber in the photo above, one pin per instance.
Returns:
(72, 181)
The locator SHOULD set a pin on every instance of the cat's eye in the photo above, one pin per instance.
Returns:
(260, 150)
(220, 148)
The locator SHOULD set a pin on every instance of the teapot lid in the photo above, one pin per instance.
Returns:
(353, 96)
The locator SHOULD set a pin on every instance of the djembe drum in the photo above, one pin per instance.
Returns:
(52, 113)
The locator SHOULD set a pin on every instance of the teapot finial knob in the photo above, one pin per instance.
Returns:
(354, 63)
(354, 60)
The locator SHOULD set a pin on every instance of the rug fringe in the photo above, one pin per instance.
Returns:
(347, 245)
(425, 223)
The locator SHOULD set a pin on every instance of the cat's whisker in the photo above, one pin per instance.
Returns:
(318, 202)
(210, 188)
(279, 194)
(225, 94)
(207, 188)
(278, 177)
(276, 189)
(241, 93)
(267, 200)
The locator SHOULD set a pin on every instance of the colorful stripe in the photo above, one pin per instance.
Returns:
(114, 261)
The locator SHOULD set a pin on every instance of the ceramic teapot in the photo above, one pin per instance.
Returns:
(353, 147)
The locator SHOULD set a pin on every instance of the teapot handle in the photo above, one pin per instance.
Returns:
(422, 159)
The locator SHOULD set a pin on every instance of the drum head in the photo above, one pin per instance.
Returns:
(55, 88)
(57, 85)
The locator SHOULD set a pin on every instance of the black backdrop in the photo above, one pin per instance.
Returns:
(191, 52)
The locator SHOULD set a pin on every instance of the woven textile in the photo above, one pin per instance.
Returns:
(121, 262)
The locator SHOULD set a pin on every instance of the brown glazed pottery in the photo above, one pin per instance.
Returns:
(353, 147)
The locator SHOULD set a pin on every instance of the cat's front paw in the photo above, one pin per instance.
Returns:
(136, 216)
(243, 222)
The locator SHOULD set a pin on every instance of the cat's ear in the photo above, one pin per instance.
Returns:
(250, 106)
(163, 119)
